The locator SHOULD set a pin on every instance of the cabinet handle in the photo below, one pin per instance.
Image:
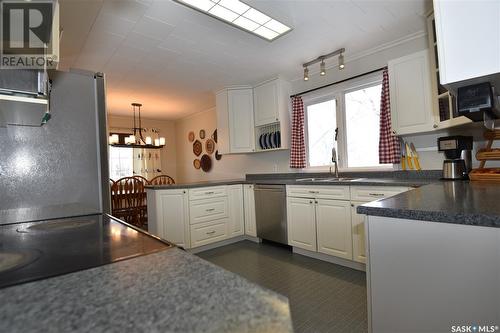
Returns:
(211, 232)
(435, 126)
(315, 201)
(352, 205)
(184, 192)
(376, 194)
(210, 209)
(310, 201)
(211, 192)
(314, 192)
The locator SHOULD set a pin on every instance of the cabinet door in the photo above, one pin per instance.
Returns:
(174, 216)
(241, 121)
(468, 39)
(358, 234)
(266, 102)
(301, 223)
(221, 109)
(236, 225)
(249, 204)
(333, 220)
(410, 93)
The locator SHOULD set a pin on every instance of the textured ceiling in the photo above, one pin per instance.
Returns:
(171, 58)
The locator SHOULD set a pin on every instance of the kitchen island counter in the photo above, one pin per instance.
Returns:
(457, 202)
(169, 291)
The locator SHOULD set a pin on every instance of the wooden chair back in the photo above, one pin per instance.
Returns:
(162, 180)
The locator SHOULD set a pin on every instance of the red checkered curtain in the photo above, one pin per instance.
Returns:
(389, 146)
(298, 144)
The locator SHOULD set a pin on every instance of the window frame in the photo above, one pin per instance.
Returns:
(338, 92)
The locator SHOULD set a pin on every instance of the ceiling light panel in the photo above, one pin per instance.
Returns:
(240, 15)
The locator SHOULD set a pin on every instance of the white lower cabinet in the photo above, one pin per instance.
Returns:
(168, 215)
(236, 225)
(206, 233)
(301, 223)
(358, 234)
(333, 224)
(249, 208)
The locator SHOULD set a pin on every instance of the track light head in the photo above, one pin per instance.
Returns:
(306, 74)
(322, 70)
(341, 61)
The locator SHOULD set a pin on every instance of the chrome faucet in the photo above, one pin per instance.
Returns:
(334, 161)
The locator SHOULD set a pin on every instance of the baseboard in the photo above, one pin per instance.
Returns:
(253, 239)
(223, 243)
(334, 260)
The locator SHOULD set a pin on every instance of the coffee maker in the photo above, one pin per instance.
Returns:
(458, 152)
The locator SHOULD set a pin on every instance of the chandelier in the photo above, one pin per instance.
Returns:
(139, 138)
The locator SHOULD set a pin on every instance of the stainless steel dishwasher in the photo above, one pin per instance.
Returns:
(270, 212)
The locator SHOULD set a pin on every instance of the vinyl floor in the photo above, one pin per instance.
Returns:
(323, 297)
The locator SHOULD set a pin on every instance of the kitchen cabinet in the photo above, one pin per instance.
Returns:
(249, 208)
(168, 215)
(236, 225)
(411, 95)
(333, 223)
(358, 233)
(468, 39)
(235, 120)
(301, 223)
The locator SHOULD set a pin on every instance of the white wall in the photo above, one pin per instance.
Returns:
(167, 129)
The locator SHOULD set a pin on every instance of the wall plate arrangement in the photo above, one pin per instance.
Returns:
(210, 146)
(197, 148)
(197, 164)
(202, 134)
(191, 136)
(217, 155)
(206, 163)
(214, 136)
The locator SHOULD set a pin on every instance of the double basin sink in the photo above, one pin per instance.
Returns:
(327, 180)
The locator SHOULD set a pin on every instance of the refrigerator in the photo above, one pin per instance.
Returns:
(59, 169)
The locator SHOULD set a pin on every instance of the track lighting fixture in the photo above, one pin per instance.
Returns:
(321, 60)
(322, 70)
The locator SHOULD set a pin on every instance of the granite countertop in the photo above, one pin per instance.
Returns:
(360, 181)
(458, 202)
(169, 291)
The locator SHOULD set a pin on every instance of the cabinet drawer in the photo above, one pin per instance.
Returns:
(207, 233)
(371, 193)
(208, 210)
(207, 192)
(320, 192)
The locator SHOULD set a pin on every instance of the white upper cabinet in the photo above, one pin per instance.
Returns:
(235, 120)
(468, 38)
(411, 95)
(271, 102)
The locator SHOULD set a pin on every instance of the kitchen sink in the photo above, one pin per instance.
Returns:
(326, 180)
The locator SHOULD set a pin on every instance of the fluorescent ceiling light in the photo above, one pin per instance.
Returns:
(223, 13)
(256, 16)
(277, 26)
(235, 5)
(266, 33)
(240, 15)
(246, 23)
(204, 5)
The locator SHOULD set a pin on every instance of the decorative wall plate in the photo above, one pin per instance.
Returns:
(217, 155)
(210, 146)
(197, 164)
(202, 134)
(197, 148)
(214, 135)
(206, 163)
(191, 136)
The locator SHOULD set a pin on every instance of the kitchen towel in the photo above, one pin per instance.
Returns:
(298, 144)
(389, 146)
